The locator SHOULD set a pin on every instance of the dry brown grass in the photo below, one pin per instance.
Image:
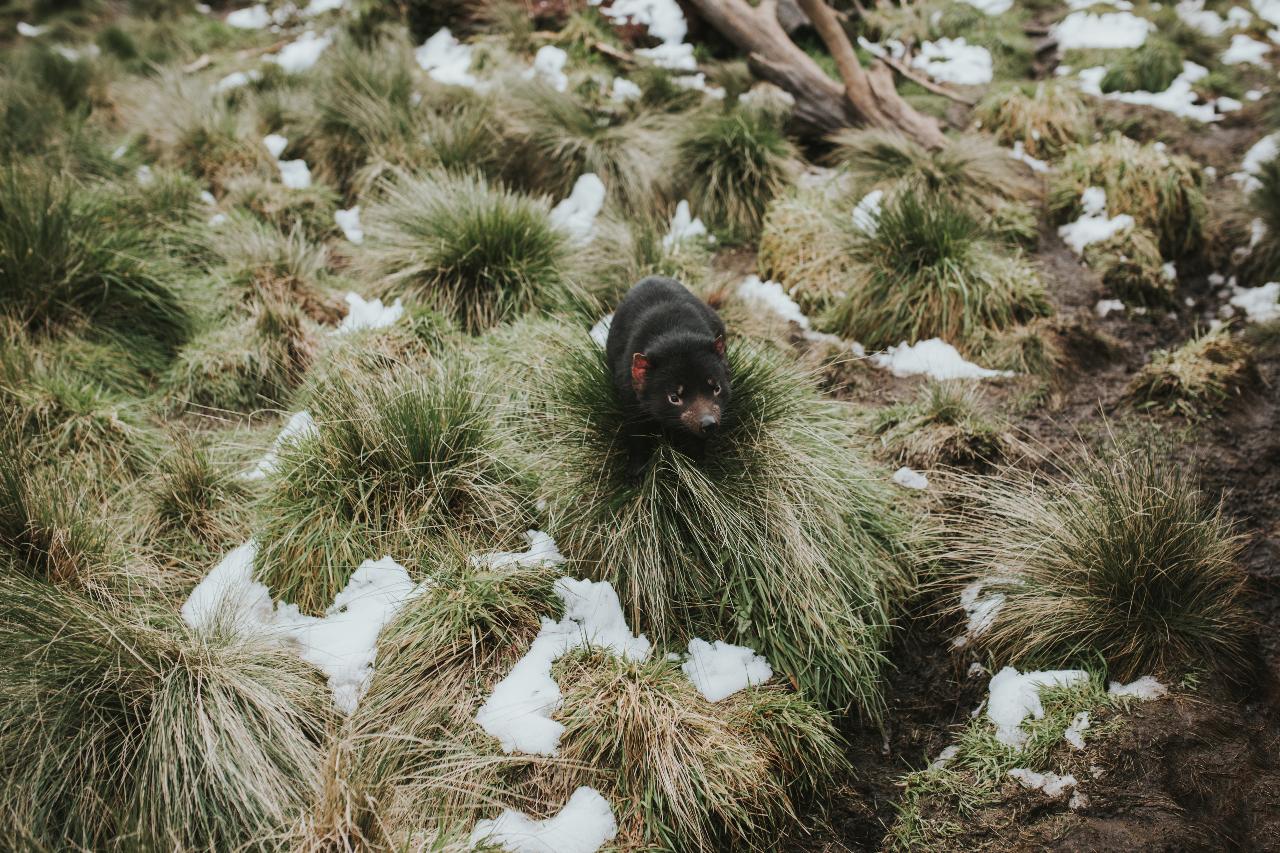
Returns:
(1046, 121)
(1198, 378)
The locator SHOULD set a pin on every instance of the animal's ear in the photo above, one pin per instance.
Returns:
(718, 345)
(639, 371)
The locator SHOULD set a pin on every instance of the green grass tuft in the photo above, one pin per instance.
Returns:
(947, 424)
(1148, 68)
(1132, 269)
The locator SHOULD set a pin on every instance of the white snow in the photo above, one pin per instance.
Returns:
(909, 479)
(75, 54)
(349, 221)
(548, 66)
(250, 18)
(542, 552)
(944, 757)
(935, 358)
(954, 61)
(217, 219)
(299, 427)
(889, 47)
(446, 60)
(683, 227)
(1195, 15)
(31, 30)
(294, 174)
(600, 331)
(1074, 734)
(208, 198)
(576, 215)
(1111, 30)
(866, 215)
(229, 592)
(319, 7)
(1259, 154)
(518, 712)
(1013, 696)
(623, 90)
(1268, 10)
(1145, 688)
(698, 82)
(1053, 785)
(1094, 225)
(236, 79)
(1259, 304)
(275, 143)
(1223, 104)
(1239, 16)
(584, 825)
(676, 57)
(991, 7)
(1180, 98)
(770, 296)
(980, 610)
(368, 315)
(720, 669)
(1107, 306)
(1020, 153)
(1246, 50)
(664, 21)
(301, 55)
(144, 175)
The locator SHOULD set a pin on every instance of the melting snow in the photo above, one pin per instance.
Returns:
(275, 144)
(698, 82)
(302, 54)
(229, 592)
(664, 21)
(236, 79)
(866, 216)
(771, 296)
(299, 427)
(1093, 226)
(954, 61)
(981, 611)
(518, 712)
(1106, 306)
(910, 479)
(319, 7)
(548, 66)
(935, 358)
(349, 221)
(1180, 98)
(1013, 696)
(1019, 153)
(1195, 15)
(1262, 152)
(1268, 10)
(584, 825)
(252, 18)
(294, 174)
(624, 90)
(1246, 50)
(576, 215)
(683, 227)
(890, 47)
(542, 552)
(600, 331)
(368, 315)
(1074, 734)
(1112, 30)
(1053, 785)
(991, 7)
(446, 60)
(944, 757)
(1258, 303)
(1145, 688)
(31, 30)
(720, 669)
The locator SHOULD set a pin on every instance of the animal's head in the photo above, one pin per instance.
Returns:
(685, 386)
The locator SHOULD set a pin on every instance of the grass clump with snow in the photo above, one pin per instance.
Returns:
(948, 423)
(1262, 263)
(1198, 378)
(478, 252)
(1125, 559)
(1150, 67)
(1132, 268)
(929, 269)
(1047, 120)
(817, 550)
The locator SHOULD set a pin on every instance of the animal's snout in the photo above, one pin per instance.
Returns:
(709, 424)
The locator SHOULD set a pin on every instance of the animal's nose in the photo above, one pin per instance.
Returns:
(709, 424)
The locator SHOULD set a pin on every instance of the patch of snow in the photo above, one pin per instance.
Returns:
(1074, 734)
(698, 82)
(319, 7)
(600, 331)
(944, 757)
(1180, 98)
(1106, 306)
(1268, 10)
(236, 79)
(1053, 785)
(1257, 230)
(119, 152)
(866, 215)
(31, 31)
(1079, 800)
(294, 174)
(1224, 104)
(975, 669)
(623, 90)
(251, 18)
(664, 21)
(1013, 696)
(1259, 304)
(909, 479)
(518, 711)
(542, 552)
(217, 219)
(890, 47)
(991, 7)
(980, 610)
(446, 60)
(1019, 153)
(676, 57)
(75, 54)
(1110, 30)
(275, 144)
(208, 198)
(1145, 688)
(1259, 154)
(229, 592)
(1195, 15)
(144, 176)
(576, 215)
(1093, 226)
(584, 825)
(349, 221)
(368, 315)
(301, 55)
(954, 61)
(684, 226)
(719, 669)
(1246, 50)
(770, 296)
(299, 427)
(548, 66)
(1253, 95)
(935, 358)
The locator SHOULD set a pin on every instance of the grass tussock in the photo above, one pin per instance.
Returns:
(1132, 268)
(1047, 120)
(270, 271)
(802, 245)
(1163, 192)
(947, 424)
(1197, 379)
(1150, 67)
(195, 505)
(930, 270)
(817, 551)
(1126, 559)
(1262, 263)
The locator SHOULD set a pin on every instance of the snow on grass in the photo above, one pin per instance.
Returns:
(518, 712)
(980, 610)
(548, 66)
(600, 331)
(623, 90)
(1054, 786)
(1014, 696)
(275, 144)
(910, 479)
(1259, 154)
(719, 669)
(542, 552)
(1195, 15)
(664, 21)
(319, 7)
(1106, 306)
(1110, 30)
(698, 82)
(1145, 688)
(217, 219)
(446, 60)
(584, 825)
(294, 174)
(684, 226)
(251, 18)
(1180, 98)
(934, 358)
(301, 55)
(1268, 10)
(368, 315)
(343, 643)
(349, 221)
(1020, 153)
(299, 427)
(944, 757)
(31, 31)
(1094, 225)
(143, 175)
(236, 79)
(770, 296)
(576, 215)
(1259, 304)
(889, 47)
(866, 215)
(991, 7)
(229, 596)
(1244, 50)
(954, 61)
(1074, 734)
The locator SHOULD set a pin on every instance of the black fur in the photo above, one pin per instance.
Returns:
(681, 340)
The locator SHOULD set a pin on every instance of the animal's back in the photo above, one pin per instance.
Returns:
(655, 313)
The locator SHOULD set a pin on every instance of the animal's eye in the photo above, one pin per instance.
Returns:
(673, 399)
(716, 390)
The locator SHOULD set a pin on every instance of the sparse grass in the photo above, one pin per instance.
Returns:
(480, 253)
(1161, 191)
(1198, 378)
(1132, 269)
(1149, 68)
(931, 271)
(1125, 558)
(947, 424)
(400, 459)
(807, 522)
(1047, 120)
(731, 166)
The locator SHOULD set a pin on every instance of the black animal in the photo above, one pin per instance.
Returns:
(666, 356)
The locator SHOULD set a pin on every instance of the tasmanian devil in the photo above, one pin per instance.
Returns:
(666, 356)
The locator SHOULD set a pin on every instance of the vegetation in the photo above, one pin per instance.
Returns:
(1199, 377)
(1048, 120)
(1148, 68)
(1132, 268)
(947, 424)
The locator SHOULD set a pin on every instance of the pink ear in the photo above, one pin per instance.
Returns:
(639, 371)
(719, 345)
